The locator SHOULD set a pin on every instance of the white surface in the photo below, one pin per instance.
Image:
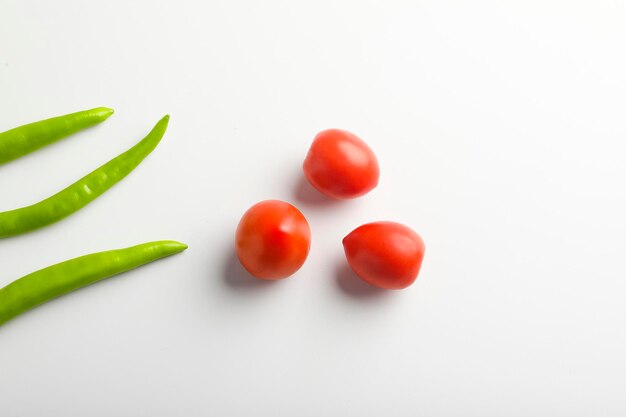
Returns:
(500, 131)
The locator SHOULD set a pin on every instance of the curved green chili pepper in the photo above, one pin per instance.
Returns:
(83, 191)
(56, 280)
(28, 138)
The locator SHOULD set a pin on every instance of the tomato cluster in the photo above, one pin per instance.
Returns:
(273, 237)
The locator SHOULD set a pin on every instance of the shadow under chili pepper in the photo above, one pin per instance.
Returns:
(237, 278)
(353, 286)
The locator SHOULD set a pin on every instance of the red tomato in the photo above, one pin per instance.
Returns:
(385, 254)
(272, 239)
(341, 165)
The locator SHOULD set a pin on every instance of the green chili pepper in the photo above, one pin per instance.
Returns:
(83, 191)
(56, 280)
(28, 138)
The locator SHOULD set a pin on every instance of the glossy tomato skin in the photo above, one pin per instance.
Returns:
(272, 239)
(387, 255)
(340, 165)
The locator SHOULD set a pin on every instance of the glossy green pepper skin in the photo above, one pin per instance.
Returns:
(25, 139)
(56, 280)
(83, 191)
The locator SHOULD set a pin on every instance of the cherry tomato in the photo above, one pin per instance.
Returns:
(385, 254)
(272, 239)
(340, 165)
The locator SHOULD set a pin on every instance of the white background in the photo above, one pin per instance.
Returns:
(500, 130)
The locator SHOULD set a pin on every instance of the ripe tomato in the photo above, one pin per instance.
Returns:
(341, 165)
(272, 239)
(385, 254)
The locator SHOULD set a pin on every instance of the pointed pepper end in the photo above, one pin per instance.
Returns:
(102, 113)
(178, 246)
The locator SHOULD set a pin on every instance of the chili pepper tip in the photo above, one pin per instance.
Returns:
(178, 246)
(105, 112)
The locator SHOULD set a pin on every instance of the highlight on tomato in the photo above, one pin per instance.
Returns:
(341, 165)
(387, 255)
(272, 240)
